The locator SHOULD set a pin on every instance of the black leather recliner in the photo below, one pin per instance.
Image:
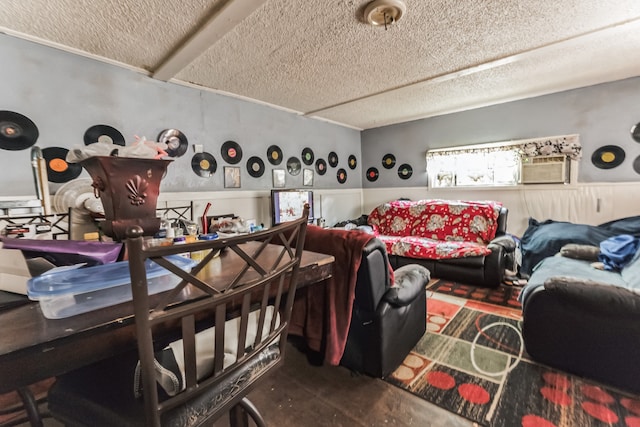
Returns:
(387, 319)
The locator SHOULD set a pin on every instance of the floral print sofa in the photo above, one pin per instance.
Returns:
(463, 241)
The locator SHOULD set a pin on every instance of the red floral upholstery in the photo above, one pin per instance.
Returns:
(436, 229)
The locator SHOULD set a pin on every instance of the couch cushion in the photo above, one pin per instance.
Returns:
(395, 218)
(631, 273)
(424, 248)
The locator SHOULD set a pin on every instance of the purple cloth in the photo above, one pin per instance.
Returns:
(66, 252)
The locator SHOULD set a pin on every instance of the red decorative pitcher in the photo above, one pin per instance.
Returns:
(128, 188)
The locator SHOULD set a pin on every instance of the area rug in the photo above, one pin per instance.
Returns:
(504, 295)
(472, 362)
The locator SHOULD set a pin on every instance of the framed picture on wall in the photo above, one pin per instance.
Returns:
(231, 177)
(278, 178)
(307, 177)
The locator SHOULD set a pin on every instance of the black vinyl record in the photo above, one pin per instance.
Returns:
(17, 132)
(293, 166)
(342, 176)
(608, 157)
(635, 132)
(352, 162)
(388, 161)
(405, 171)
(372, 174)
(204, 164)
(231, 152)
(307, 156)
(58, 169)
(176, 141)
(321, 167)
(255, 166)
(274, 155)
(636, 165)
(333, 159)
(103, 133)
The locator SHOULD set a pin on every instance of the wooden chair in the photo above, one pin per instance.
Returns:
(201, 346)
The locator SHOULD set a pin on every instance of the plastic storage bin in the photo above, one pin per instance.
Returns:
(70, 292)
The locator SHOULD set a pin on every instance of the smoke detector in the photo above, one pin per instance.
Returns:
(384, 12)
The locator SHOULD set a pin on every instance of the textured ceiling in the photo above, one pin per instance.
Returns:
(317, 58)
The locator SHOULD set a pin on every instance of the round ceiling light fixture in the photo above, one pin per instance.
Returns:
(384, 12)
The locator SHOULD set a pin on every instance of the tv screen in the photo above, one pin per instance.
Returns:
(287, 205)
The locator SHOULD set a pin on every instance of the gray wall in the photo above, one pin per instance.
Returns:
(601, 114)
(65, 94)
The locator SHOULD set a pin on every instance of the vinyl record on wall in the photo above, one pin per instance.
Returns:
(274, 155)
(352, 162)
(231, 152)
(635, 132)
(608, 157)
(405, 171)
(333, 159)
(321, 167)
(255, 166)
(293, 166)
(204, 164)
(17, 132)
(58, 169)
(388, 161)
(636, 165)
(103, 133)
(307, 156)
(372, 174)
(176, 141)
(342, 176)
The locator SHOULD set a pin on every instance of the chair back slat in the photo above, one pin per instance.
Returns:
(228, 314)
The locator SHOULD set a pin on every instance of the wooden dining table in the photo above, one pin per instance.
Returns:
(33, 348)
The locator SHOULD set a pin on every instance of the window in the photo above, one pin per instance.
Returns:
(493, 164)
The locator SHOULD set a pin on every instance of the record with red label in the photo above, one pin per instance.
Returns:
(388, 161)
(17, 132)
(58, 169)
(405, 171)
(274, 155)
(307, 156)
(204, 164)
(333, 159)
(176, 141)
(103, 133)
(321, 167)
(255, 166)
(231, 152)
(342, 176)
(372, 174)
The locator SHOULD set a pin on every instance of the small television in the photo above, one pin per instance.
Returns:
(287, 205)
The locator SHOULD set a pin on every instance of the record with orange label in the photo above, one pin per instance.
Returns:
(321, 166)
(342, 176)
(608, 157)
(372, 174)
(231, 152)
(58, 169)
(274, 155)
(17, 132)
(405, 171)
(255, 166)
(204, 164)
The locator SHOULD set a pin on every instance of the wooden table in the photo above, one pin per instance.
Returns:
(33, 348)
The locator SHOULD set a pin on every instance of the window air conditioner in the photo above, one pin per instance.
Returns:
(545, 170)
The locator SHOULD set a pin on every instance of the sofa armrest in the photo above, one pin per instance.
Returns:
(410, 281)
(595, 297)
(506, 242)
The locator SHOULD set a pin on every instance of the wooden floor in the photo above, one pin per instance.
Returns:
(302, 394)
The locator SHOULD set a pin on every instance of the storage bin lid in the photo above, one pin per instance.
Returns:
(89, 279)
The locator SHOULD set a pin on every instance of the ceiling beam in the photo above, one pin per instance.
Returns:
(230, 15)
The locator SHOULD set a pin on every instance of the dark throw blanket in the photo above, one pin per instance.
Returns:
(322, 311)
